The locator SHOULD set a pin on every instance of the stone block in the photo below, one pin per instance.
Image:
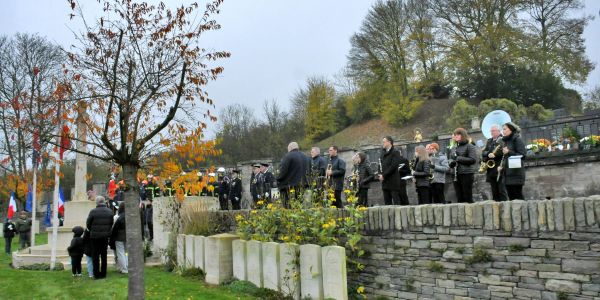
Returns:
(181, 250)
(469, 215)
(438, 212)
(289, 269)
(254, 262)
(564, 276)
(550, 214)
(199, 251)
(311, 274)
(580, 215)
(517, 206)
(454, 214)
(581, 266)
(527, 293)
(496, 215)
(589, 212)
(532, 210)
(448, 215)
(240, 271)
(572, 245)
(270, 266)
(189, 251)
(461, 214)
(385, 218)
(484, 242)
(335, 283)
(418, 217)
(450, 254)
(569, 214)
(218, 258)
(488, 216)
(397, 218)
(404, 215)
(411, 216)
(597, 210)
(559, 215)
(506, 216)
(508, 241)
(542, 220)
(563, 286)
(430, 214)
(477, 215)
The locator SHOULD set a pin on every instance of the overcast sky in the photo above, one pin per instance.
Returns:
(275, 45)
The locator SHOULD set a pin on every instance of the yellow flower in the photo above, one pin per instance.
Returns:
(239, 217)
(292, 190)
(360, 289)
(325, 226)
(362, 208)
(333, 206)
(253, 211)
(350, 199)
(346, 191)
(332, 223)
(260, 202)
(285, 238)
(269, 206)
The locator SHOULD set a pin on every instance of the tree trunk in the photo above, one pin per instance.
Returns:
(134, 235)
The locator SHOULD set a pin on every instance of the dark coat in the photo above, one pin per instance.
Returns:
(223, 187)
(77, 245)
(23, 224)
(292, 170)
(465, 154)
(365, 175)
(338, 168)
(422, 172)
(99, 222)
(318, 165)
(118, 230)
(390, 161)
(515, 176)
(9, 229)
(87, 243)
(235, 189)
(492, 174)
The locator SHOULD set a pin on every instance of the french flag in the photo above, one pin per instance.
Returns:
(61, 203)
(12, 206)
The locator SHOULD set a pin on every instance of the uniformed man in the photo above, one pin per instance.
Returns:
(235, 190)
(255, 188)
(266, 181)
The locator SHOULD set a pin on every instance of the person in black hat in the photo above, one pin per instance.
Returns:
(266, 181)
(513, 178)
(235, 190)
(254, 184)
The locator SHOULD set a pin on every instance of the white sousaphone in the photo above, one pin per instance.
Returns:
(496, 117)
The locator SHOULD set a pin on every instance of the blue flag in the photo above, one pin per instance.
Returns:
(48, 218)
(29, 199)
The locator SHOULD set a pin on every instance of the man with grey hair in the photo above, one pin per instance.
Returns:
(493, 152)
(292, 172)
(99, 223)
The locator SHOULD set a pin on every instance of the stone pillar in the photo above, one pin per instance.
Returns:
(311, 274)
(218, 258)
(239, 260)
(335, 282)
(79, 193)
(199, 251)
(254, 262)
(189, 251)
(181, 250)
(289, 271)
(270, 260)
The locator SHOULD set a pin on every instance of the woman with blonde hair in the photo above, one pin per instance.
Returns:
(421, 174)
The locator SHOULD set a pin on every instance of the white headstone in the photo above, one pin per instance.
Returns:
(311, 274)
(181, 250)
(335, 282)
(189, 251)
(199, 251)
(218, 257)
(270, 260)
(254, 262)
(239, 260)
(289, 269)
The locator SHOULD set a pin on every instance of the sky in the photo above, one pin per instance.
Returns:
(275, 45)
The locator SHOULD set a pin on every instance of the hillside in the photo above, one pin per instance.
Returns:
(431, 119)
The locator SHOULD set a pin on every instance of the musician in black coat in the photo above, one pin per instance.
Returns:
(364, 176)
(394, 188)
(421, 173)
(514, 178)
(464, 159)
(235, 190)
(336, 175)
(492, 152)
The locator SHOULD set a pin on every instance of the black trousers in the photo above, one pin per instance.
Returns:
(515, 192)
(464, 188)
(223, 203)
(235, 204)
(7, 244)
(436, 193)
(395, 197)
(423, 194)
(25, 239)
(338, 199)
(151, 230)
(76, 264)
(99, 249)
(499, 192)
(363, 195)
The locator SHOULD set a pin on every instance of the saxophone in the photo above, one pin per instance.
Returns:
(490, 163)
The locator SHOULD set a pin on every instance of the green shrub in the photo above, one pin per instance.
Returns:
(435, 267)
(248, 288)
(462, 113)
(43, 267)
(196, 273)
(480, 255)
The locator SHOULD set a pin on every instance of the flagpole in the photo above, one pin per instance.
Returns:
(34, 206)
(55, 194)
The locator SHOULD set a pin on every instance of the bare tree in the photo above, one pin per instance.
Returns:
(140, 70)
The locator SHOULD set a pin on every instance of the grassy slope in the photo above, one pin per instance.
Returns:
(22, 284)
(431, 119)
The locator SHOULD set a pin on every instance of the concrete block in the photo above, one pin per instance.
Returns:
(289, 269)
(240, 271)
(335, 283)
(506, 216)
(199, 251)
(311, 272)
(189, 251)
(254, 263)
(218, 258)
(181, 250)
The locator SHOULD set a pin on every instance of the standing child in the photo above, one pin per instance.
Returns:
(9, 231)
(87, 250)
(76, 250)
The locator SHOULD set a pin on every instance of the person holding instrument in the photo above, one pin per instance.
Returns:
(491, 158)
(513, 177)
(464, 160)
(422, 173)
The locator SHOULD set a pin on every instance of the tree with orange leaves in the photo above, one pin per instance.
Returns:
(140, 69)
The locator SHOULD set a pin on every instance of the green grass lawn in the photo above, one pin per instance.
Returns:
(22, 284)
